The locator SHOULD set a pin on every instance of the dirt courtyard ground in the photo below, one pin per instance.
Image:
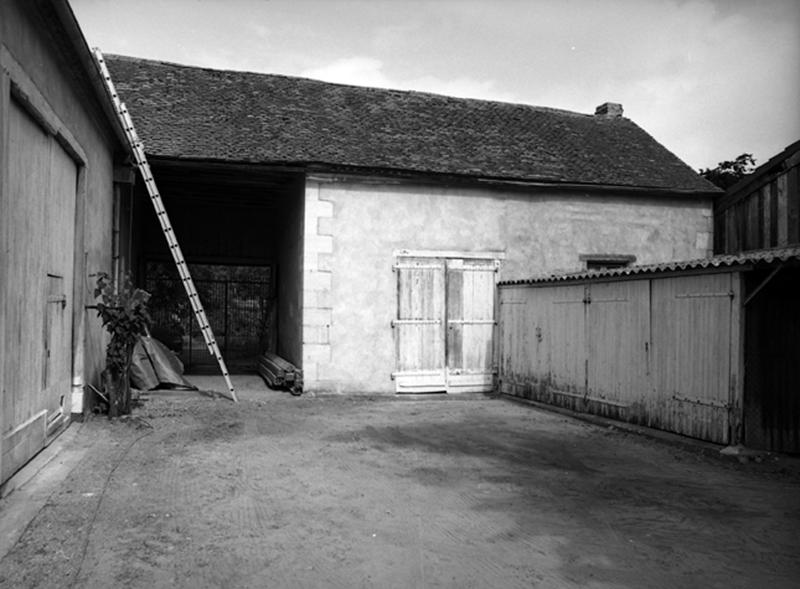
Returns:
(281, 491)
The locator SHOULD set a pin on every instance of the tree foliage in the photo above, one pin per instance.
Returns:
(728, 173)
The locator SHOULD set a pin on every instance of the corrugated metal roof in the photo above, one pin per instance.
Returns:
(754, 258)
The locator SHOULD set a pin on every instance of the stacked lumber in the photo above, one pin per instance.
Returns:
(279, 373)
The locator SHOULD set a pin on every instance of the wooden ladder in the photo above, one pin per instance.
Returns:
(163, 218)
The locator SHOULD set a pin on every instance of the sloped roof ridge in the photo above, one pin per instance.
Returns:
(200, 113)
(421, 93)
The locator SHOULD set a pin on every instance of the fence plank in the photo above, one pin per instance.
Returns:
(653, 351)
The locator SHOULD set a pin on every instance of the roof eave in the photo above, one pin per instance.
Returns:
(377, 174)
(745, 261)
(519, 183)
(71, 27)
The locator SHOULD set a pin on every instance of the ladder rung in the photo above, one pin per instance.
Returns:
(140, 157)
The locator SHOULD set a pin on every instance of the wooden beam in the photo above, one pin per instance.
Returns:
(773, 214)
(763, 284)
(793, 206)
(5, 96)
(25, 91)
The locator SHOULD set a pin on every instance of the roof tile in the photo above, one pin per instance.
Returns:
(197, 113)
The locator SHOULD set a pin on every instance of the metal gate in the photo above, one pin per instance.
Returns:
(240, 311)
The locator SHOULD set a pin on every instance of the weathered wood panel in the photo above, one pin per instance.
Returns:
(783, 211)
(524, 362)
(762, 211)
(5, 97)
(691, 355)
(567, 340)
(470, 324)
(37, 293)
(619, 346)
(419, 327)
(793, 205)
(657, 351)
(444, 329)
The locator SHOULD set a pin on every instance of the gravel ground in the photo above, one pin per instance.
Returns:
(281, 491)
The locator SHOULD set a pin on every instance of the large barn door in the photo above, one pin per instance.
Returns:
(470, 324)
(38, 245)
(419, 327)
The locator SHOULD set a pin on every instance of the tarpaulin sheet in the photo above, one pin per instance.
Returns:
(154, 365)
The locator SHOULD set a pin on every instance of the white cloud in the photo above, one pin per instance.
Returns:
(369, 71)
(708, 78)
(358, 71)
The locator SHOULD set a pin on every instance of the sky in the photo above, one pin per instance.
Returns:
(709, 79)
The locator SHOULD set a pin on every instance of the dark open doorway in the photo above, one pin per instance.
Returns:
(240, 229)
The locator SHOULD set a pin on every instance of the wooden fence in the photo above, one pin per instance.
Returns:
(660, 351)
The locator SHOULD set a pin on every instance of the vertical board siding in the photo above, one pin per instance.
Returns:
(793, 205)
(783, 212)
(763, 213)
(691, 354)
(37, 293)
(470, 324)
(524, 354)
(419, 327)
(566, 338)
(773, 215)
(619, 341)
(650, 351)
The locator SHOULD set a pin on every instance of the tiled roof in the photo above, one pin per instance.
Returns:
(752, 258)
(197, 113)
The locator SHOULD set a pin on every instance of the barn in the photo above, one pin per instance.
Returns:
(62, 163)
(360, 232)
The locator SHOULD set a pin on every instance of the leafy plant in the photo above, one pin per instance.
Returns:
(123, 310)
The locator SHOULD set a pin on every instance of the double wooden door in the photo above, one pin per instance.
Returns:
(37, 236)
(444, 328)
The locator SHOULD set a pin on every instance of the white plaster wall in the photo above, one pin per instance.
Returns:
(539, 233)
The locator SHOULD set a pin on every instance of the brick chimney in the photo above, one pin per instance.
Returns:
(609, 109)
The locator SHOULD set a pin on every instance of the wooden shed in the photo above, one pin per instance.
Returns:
(59, 142)
(763, 209)
(705, 348)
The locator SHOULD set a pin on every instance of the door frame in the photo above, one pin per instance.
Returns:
(16, 85)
